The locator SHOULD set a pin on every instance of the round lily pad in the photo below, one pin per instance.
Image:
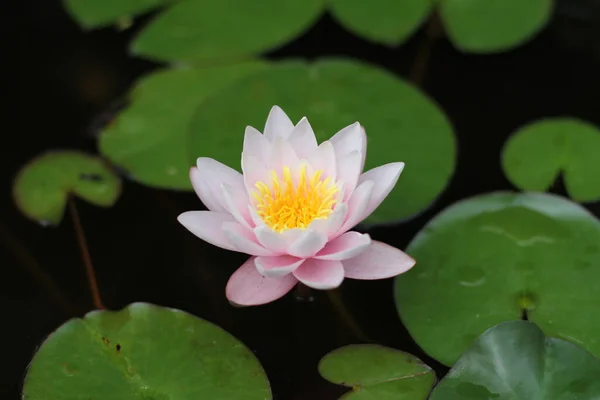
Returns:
(199, 30)
(42, 186)
(377, 372)
(514, 361)
(150, 138)
(494, 257)
(482, 26)
(401, 123)
(383, 21)
(143, 352)
(95, 14)
(536, 154)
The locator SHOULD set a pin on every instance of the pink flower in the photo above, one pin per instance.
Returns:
(292, 210)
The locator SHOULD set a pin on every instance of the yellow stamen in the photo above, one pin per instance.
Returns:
(284, 206)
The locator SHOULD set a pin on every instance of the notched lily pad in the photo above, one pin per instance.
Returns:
(494, 257)
(401, 123)
(144, 352)
(42, 186)
(537, 153)
(377, 372)
(514, 361)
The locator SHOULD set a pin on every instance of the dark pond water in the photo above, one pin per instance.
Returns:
(67, 78)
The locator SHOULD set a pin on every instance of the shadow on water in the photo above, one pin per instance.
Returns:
(68, 77)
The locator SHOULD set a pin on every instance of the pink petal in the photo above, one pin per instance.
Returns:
(323, 158)
(244, 240)
(214, 174)
(282, 155)
(207, 225)
(246, 287)
(237, 205)
(255, 144)
(277, 266)
(357, 204)
(302, 139)
(349, 139)
(336, 219)
(320, 274)
(308, 243)
(348, 245)
(385, 178)
(275, 241)
(378, 261)
(278, 124)
(203, 191)
(348, 170)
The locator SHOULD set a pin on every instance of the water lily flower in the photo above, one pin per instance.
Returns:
(292, 210)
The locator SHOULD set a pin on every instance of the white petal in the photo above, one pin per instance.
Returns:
(349, 139)
(282, 155)
(308, 244)
(255, 144)
(349, 170)
(385, 178)
(204, 192)
(207, 225)
(277, 266)
(320, 274)
(323, 159)
(303, 139)
(212, 173)
(243, 240)
(357, 204)
(278, 124)
(275, 241)
(237, 204)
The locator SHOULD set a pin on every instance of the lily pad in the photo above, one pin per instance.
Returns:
(492, 258)
(199, 30)
(401, 123)
(536, 154)
(483, 26)
(95, 13)
(143, 352)
(150, 139)
(377, 372)
(514, 361)
(389, 22)
(42, 186)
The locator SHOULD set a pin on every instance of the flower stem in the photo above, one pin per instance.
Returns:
(303, 293)
(346, 316)
(433, 31)
(85, 255)
(28, 261)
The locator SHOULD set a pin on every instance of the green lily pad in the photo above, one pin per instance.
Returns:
(99, 13)
(490, 258)
(401, 123)
(514, 361)
(482, 26)
(199, 30)
(389, 22)
(536, 154)
(150, 139)
(377, 372)
(143, 352)
(42, 186)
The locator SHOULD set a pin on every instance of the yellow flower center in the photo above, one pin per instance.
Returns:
(283, 205)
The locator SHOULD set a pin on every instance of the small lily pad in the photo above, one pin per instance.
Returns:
(383, 21)
(483, 26)
(492, 258)
(144, 352)
(42, 186)
(150, 138)
(99, 13)
(377, 372)
(401, 123)
(514, 361)
(536, 154)
(199, 30)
